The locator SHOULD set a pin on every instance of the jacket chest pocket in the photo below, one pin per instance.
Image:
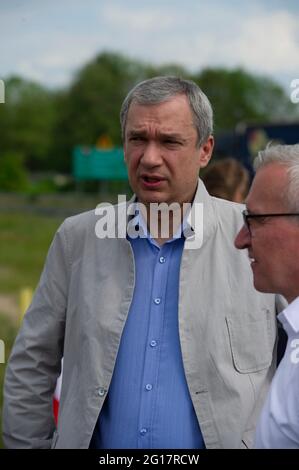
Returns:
(250, 344)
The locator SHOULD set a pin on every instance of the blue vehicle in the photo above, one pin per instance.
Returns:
(246, 140)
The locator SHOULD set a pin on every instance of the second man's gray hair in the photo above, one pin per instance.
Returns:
(287, 155)
(160, 89)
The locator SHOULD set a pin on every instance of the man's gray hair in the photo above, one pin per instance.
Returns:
(159, 89)
(287, 155)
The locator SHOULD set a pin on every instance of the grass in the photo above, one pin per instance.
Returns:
(24, 242)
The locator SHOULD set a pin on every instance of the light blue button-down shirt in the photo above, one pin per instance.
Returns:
(148, 405)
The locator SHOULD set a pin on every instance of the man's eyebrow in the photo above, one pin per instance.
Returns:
(136, 132)
(171, 135)
(160, 135)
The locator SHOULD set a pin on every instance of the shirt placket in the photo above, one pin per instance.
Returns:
(153, 347)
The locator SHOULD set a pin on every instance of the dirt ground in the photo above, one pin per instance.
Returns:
(9, 305)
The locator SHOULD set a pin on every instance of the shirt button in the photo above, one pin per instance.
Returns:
(148, 387)
(101, 392)
(157, 301)
(153, 343)
(143, 431)
(162, 259)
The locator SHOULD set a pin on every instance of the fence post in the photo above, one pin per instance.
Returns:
(2, 352)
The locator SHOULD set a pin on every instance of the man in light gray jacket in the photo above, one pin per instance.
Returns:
(166, 343)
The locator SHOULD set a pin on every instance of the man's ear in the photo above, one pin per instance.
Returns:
(205, 152)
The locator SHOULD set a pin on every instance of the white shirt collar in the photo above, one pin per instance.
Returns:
(289, 317)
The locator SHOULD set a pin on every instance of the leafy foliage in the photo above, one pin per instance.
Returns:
(238, 96)
(13, 176)
(44, 125)
(26, 121)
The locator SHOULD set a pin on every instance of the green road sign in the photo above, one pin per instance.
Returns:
(90, 163)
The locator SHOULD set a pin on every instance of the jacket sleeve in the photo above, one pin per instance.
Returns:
(35, 362)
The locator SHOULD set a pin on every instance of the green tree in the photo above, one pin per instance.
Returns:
(44, 126)
(13, 176)
(175, 70)
(90, 108)
(26, 121)
(238, 96)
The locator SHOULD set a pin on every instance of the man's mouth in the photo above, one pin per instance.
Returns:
(152, 181)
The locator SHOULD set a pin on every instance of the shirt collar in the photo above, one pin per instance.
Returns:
(289, 317)
(138, 224)
(202, 202)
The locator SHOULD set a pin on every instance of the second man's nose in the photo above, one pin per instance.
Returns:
(242, 239)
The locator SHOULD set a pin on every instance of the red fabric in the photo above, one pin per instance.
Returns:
(55, 409)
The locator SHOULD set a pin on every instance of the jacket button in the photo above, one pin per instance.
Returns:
(101, 392)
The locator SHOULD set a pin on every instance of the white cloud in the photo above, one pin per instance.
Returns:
(48, 44)
(269, 42)
(145, 20)
(28, 70)
(264, 42)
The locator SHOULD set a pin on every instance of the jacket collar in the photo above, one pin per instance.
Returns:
(199, 225)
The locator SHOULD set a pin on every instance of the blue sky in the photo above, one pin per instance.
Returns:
(48, 40)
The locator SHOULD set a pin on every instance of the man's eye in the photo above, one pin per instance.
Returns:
(137, 138)
(257, 220)
(262, 220)
(171, 142)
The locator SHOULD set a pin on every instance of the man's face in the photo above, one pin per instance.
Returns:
(273, 242)
(160, 151)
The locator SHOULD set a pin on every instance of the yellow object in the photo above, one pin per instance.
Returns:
(104, 142)
(2, 352)
(26, 295)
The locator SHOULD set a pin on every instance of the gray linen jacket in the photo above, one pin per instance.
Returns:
(227, 333)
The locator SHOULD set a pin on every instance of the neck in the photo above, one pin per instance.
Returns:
(163, 220)
(291, 298)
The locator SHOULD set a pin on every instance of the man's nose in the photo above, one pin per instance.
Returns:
(243, 238)
(151, 155)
